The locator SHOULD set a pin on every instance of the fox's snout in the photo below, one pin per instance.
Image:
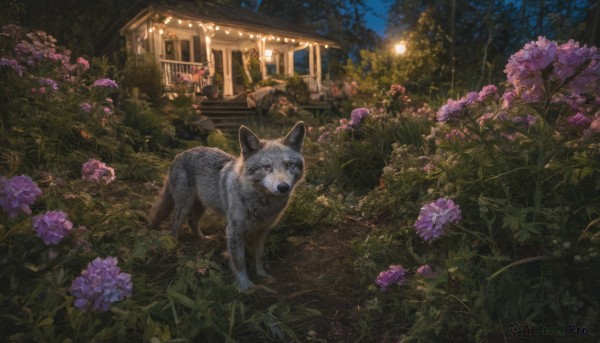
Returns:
(278, 183)
(283, 187)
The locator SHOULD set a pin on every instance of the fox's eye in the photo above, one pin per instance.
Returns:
(288, 165)
(267, 167)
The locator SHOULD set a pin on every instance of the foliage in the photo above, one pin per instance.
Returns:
(58, 122)
(419, 68)
(141, 76)
(524, 171)
(298, 89)
(358, 151)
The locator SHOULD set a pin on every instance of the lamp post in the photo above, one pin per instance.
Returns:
(400, 47)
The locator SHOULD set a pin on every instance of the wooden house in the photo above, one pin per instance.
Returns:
(216, 45)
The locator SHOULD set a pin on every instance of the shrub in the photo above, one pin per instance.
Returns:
(523, 168)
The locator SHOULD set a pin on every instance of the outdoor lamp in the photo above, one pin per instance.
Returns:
(400, 48)
(268, 55)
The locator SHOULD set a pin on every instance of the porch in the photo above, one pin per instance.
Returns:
(224, 46)
(197, 76)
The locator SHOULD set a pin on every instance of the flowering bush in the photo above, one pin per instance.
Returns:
(96, 171)
(524, 168)
(18, 193)
(101, 284)
(52, 226)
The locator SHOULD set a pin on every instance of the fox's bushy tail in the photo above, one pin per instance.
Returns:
(162, 207)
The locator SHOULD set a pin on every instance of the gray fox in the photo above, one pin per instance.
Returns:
(251, 191)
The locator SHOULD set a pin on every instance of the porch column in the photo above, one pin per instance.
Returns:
(288, 63)
(261, 57)
(311, 68)
(227, 73)
(276, 56)
(209, 60)
(319, 72)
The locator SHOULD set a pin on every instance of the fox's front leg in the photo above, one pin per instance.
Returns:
(259, 253)
(236, 244)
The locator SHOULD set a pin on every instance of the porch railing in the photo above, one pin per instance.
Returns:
(177, 72)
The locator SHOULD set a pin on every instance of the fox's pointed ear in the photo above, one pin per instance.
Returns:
(249, 142)
(295, 138)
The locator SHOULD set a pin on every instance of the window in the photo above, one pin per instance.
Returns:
(186, 51)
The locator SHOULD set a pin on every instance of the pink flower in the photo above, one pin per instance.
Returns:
(83, 63)
(507, 98)
(485, 118)
(85, 107)
(456, 135)
(524, 68)
(595, 125)
(488, 92)
(397, 90)
(96, 171)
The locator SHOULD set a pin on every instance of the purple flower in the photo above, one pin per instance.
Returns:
(489, 91)
(524, 68)
(12, 63)
(48, 82)
(85, 107)
(395, 275)
(357, 115)
(105, 83)
(471, 97)
(579, 120)
(96, 171)
(101, 284)
(426, 272)
(434, 216)
(18, 193)
(570, 59)
(451, 110)
(52, 226)
(525, 121)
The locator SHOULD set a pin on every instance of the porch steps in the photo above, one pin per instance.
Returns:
(229, 115)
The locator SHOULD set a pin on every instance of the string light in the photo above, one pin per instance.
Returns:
(228, 31)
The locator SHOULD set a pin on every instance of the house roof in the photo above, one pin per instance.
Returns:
(233, 17)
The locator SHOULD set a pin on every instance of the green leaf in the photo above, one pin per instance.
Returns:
(182, 299)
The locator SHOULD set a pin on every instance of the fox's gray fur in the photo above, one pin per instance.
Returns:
(251, 191)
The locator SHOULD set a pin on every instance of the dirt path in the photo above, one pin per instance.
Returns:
(318, 273)
(313, 270)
